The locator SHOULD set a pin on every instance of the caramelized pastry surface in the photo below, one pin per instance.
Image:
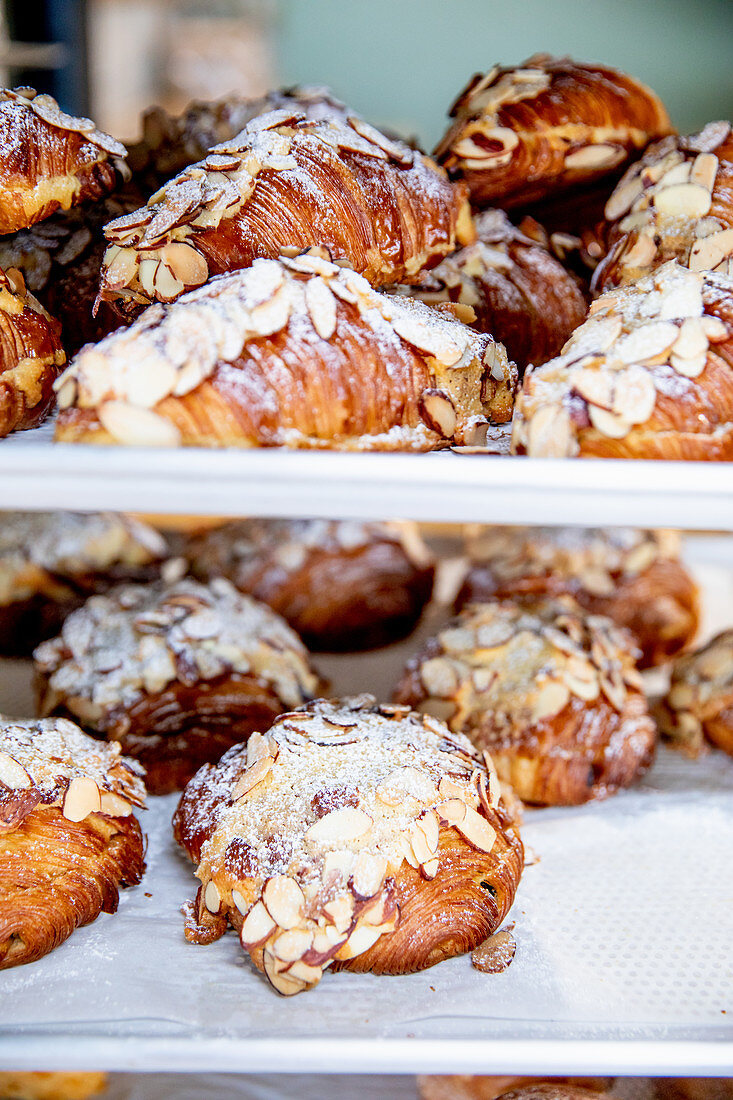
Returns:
(649, 375)
(552, 693)
(30, 356)
(300, 353)
(698, 707)
(634, 577)
(68, 839)
(521, 134)
(349, 835)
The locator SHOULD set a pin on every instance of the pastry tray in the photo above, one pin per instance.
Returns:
(445, 486)
(624, 928)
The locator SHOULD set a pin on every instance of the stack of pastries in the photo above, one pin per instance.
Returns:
(285, 274)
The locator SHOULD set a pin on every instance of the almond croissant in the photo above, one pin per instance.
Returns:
(49, 159)
(522, 133)
(297, 352)
(30, 355)
(649, 375)
(288, 182)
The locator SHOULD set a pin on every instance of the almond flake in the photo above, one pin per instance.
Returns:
(212, 897)
(112, 805)
(646, 342)
(438, 412)
(641, 253)
(369, 874)
(136, 426)
(348, 823)
(635, 395)
(341, 912)
(439, 677)
(704, 170)
(707, 253)
(452, 811)
(428, 824)
(476, 830)
(81, 799)
(584, 689)
(683, 200)
(284, 901)
(292, 945)
(623, 198)
(253, 775)
(689, 367)
(592, 157)
(321, 307)
(550, 433)
(608, 424)
(595, 386)
(430, 338)
(361, 939)
(13, 774)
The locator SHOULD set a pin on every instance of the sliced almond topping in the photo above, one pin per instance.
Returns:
(635, 395)
(623, 198)
(715, 329)
(369, 874)
(292, 945)
(596, 386)
(242, 905)
(646, 342)
(597, 581)
(640, 558)
(683, 200)
(608, 424)
(348, 823)
(551, 698)
(614, 690)
(452, 811)
(280, 981)
(284, 901)
(691, 340)
(212, 897)
(311, 975)
(681, 696)
(321, 307)
(137, 426)
(122, 268)
(435, 339)
(430, 869)
(341, 912)
(400, 153)
(428, 824)
(252, 777)
(439, 677)
(113, 805)
(584, 689)
(704, 170)
(689, 367)
(407, 852)
(707, 253)
(403, 782)
(165, 286)
(448, 788)
(594, 156)
(361, 939)
(13, 774)
(641, 253)
(338, 863)
(438, 412)
(81, 799)
(476, 830)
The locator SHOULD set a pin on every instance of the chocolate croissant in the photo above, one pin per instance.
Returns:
(50, 160)
(553, 694)
(30, 356)
(349, 836)
(300, 353)
(175, 671)
(287, 181)
(521, 134)
(698, 707)
(634, 577)
(676, 203)
(519, 292)
(68, 838)
(342, 586)
(649, 375)
(51, 562)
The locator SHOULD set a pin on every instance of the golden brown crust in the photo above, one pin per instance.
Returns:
(297, 352)
(49, 159)
(693, 1088)
(349, 835)
(175, 673)
(676, 203)
(342, 586)
(520, 294)
(288, 182)
(551, 693)
(523, 133)
(699, 704)
(30, 356)
(647, 376)
(57, 875)
(633, 577)
(51, 1086)
(511, 1088)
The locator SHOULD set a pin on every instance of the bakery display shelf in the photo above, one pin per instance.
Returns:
(623, 921)
(37, 473)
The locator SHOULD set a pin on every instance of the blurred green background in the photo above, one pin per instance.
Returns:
(402, 62)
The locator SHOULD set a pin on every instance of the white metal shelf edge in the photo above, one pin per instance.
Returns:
(442, 486)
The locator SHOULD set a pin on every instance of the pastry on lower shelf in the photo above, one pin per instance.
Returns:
(521, 134)
(633, 576)
(520, 293)
(301, 353)
(343, 586)
(350, 836)
(68, 837)
(693, 1088)
(51, 1086)
(176, 672)
(649, 375)
(465, 1087)
(50, 562)
(288, 182)
(676, 203)
(50, 160)
(31, 356)
(698, 708)
(551, 692)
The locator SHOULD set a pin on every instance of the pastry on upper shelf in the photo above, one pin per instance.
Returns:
(522, 133)
(698, 707)
(349, 835)
(50, 160)
(300, 353)
(286, 181)
(676, 203)
(519, 292)
(50, 562)
(649, 375)
(68, 837)
(60, 259)
(465, 1087)
(633, 576)
(169, 143)
(552, 692)
(30, 356)
(343, 586)
(51, 1086)
(177, 672)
